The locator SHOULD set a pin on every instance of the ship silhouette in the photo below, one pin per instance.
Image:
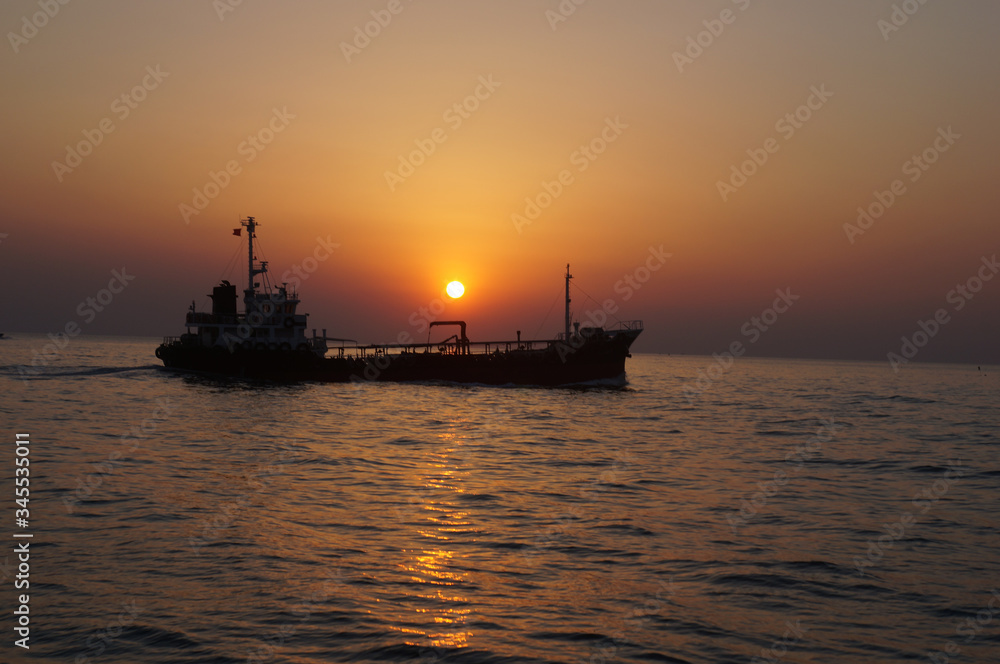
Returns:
(268, 341)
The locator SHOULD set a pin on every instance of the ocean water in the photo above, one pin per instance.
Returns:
(793, 511)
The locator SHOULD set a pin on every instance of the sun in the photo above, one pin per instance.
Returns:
(455, 290)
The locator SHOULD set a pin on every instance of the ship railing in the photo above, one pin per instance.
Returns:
(168, 341)
(453, 347)
(619, 326)
(442, 347)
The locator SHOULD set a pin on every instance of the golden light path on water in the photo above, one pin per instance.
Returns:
(433, 566)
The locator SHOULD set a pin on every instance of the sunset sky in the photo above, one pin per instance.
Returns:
(421, 147)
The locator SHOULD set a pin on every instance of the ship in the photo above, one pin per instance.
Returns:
(269, 341)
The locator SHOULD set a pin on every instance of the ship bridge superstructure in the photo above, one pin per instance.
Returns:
(269, 320)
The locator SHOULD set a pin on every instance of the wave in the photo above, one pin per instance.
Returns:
(35, 373)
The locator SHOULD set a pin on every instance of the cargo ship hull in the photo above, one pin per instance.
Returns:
(600, 357)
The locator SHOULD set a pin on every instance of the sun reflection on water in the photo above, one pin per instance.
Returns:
(447, 613)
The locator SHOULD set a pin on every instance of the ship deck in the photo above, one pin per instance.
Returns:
(452, 346)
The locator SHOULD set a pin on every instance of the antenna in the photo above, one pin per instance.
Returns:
(568, 317)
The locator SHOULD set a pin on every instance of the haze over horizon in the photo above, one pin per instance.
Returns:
(698, 164)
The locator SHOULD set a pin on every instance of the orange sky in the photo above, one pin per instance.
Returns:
(332, 113)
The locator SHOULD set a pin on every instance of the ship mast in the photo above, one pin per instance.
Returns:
(252, 271)
(568, 317)
(251, 227)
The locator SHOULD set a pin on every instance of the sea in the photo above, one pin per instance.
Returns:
(763, 510)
